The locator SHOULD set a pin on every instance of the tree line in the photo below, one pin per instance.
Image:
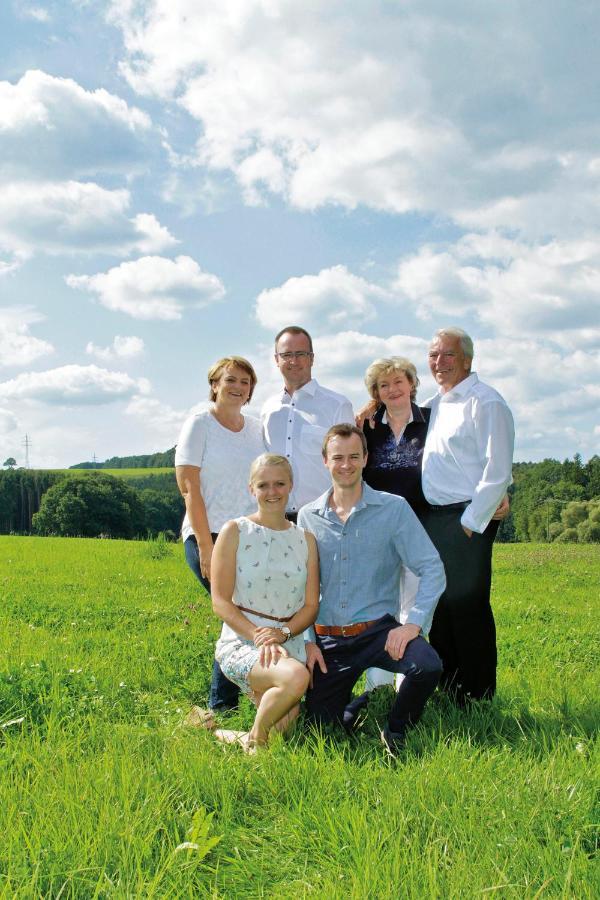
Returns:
(89, 505)
(550, 501)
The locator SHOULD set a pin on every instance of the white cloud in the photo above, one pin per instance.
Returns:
(17, 346)
(73, 386)
(402, 107)
(152, 287)
(75, 217)
(513, 286)
(52, 128)
(334, 297)
(37, 13)
(157, 418)
(8, 421)
(121, 348)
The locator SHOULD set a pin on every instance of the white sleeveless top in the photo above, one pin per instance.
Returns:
(270, 578)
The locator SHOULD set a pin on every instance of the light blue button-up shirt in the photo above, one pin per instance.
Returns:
(361, 559)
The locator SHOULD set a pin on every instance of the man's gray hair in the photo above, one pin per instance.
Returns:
(466, 343)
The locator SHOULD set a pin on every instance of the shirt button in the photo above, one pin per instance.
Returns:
(289, 438)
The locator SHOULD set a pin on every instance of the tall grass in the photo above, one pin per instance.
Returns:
(104, 647)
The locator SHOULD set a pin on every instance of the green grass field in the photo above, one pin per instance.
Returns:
(104, 646)
(117, 473)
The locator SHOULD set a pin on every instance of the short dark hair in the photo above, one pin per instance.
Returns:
(344, 429)
(294, 329)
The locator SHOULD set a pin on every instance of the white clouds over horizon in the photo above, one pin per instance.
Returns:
(73, 386)
(332, 298)
(73, 217)
(128, 347)
(51, 126)
(399, 110)
(17, 346)
(543, 289)
(354, 168)
(152, 287)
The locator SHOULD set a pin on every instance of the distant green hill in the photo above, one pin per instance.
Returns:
(164, 460)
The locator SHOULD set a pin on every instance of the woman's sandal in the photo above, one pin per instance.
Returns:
(242, 738)
(198, 717)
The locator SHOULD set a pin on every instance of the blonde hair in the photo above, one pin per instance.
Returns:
(385, 366)
(216, 370)
(270, 459)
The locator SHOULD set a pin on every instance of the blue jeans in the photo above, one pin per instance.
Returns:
(347, 658)
(224, 694)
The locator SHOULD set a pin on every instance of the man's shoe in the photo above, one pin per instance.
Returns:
(393, 741)
(355, 710)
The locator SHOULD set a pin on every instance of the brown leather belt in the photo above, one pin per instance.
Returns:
(263, 615)
(344, 630)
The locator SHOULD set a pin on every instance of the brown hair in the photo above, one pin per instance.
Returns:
(216, 370)
(344, 429)
(294, 329)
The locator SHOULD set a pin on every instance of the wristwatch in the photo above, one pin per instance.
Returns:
(286, 632)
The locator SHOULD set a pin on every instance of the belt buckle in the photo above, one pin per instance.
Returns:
(343, 627)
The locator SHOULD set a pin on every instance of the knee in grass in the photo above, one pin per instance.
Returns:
(297, 683)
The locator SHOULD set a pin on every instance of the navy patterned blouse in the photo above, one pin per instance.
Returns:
(395, 466)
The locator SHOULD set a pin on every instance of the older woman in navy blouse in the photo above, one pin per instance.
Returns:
(395, 434)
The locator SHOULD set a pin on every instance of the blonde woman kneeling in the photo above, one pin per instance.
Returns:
(265, 588)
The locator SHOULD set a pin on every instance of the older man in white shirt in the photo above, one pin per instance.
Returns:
(467, 465)
(296, 420)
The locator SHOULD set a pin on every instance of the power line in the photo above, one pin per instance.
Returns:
(27, 444)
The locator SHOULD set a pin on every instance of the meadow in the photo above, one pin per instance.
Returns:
(127, 474)
(104, 646)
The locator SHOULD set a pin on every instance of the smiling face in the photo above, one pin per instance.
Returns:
(394, 390)
(447, 361)
(296, 371)
(232, 387)
(345, 460)
(271, 485)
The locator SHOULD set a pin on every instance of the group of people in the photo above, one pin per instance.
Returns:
(333, 545)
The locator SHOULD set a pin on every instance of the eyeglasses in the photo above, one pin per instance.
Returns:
(294, 354)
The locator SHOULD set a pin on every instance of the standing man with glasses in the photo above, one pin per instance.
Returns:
(467, 465)
(296, 420)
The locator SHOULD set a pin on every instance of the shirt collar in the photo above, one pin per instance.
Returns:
(310, 388)
(463, 387)
(369, 497)
(410, 419)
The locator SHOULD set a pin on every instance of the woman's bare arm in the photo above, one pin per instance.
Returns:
(223, 582)
(188, 482)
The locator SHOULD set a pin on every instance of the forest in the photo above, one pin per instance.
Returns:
(550, 500)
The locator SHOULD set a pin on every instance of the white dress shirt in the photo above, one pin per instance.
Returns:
(294, 426)
(469, 449)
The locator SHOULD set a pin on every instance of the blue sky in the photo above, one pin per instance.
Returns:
(180, 179)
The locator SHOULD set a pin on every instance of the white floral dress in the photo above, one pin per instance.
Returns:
(271, 581)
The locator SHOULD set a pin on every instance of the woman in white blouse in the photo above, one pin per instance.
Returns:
(212, 461)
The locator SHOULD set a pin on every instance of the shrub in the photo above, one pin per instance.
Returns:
(568, 536)
(90, 506)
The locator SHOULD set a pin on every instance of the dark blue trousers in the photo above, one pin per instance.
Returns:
(224, 694)
(463, 630)
(347, 658)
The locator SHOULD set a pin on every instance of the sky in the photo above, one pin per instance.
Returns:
(181, 179)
